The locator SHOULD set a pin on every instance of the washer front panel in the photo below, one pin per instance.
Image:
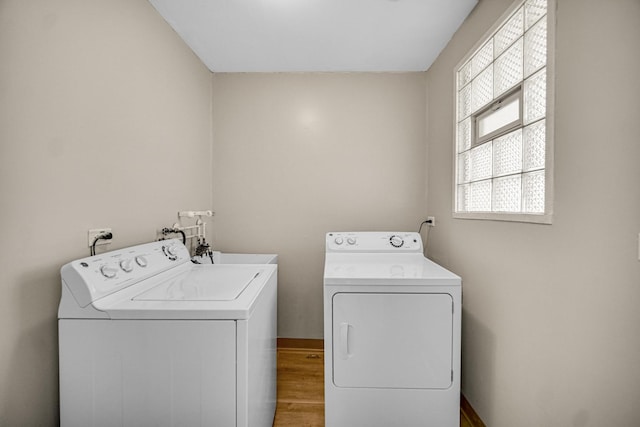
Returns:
(147, 373)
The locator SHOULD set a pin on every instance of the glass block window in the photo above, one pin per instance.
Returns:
(501, 117)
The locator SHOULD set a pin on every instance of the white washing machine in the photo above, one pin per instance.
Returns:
(147, 338)
(391, 333)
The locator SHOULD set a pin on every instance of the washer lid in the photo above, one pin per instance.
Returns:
(202, 284)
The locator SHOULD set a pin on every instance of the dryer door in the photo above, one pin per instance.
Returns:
(389, 340)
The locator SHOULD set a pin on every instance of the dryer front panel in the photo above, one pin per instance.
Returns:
(392, 340)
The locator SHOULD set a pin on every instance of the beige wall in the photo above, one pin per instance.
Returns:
(298, 155)
(550, 315)
(104, 121)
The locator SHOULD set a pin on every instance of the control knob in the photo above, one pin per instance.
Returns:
(141, 261)
(109, 271)
(351, 240)
(396, 241)
(126, 265)
(339, 240)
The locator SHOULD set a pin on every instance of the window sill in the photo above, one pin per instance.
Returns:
(510, 217)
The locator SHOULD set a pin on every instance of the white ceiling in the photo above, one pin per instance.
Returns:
(315, 35)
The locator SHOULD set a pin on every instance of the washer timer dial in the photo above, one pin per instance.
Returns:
(171, 252)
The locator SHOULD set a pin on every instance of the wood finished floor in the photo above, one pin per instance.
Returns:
(301, 389)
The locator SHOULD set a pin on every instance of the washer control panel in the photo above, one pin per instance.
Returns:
(97, 276)
(373, 241)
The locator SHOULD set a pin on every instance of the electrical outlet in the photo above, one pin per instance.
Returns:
(433, 221)
(93, 233)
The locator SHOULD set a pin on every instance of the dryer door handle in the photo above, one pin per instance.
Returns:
(344, 340)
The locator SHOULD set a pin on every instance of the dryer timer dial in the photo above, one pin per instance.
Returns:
(396, 241)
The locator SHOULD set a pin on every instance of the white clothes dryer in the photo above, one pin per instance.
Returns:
(392, 322)
(147, 338)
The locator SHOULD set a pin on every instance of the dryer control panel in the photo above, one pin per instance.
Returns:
(374, 241)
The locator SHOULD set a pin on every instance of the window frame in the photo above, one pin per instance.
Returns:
(547, 216)
(514, 93)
